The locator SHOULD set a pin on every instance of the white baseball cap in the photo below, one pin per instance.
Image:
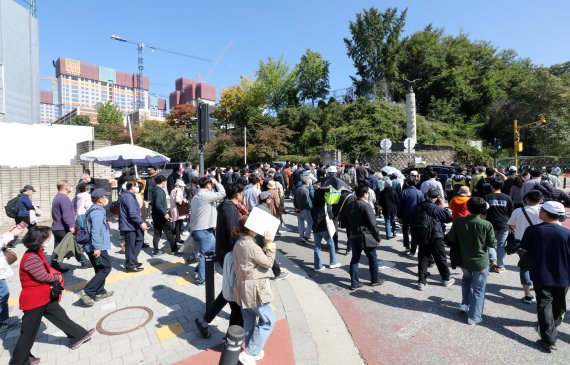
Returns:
(554, 208)
(414, 173)
(513, 169)
(332, 169)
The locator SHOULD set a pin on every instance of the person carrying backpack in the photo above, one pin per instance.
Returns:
(428, 227)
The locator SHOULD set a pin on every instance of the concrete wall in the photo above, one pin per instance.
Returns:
(97, 171)
(401, 160)
(32, 145)
(42, 178)
(19, 57)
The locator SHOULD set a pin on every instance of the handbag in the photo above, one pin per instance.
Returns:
(55, 291)
(367, 240)
(10, 256)
(183, 208)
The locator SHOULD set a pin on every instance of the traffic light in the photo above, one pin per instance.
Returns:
(205, 122)
(498, 145)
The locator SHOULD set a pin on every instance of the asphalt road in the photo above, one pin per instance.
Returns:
(397, 324)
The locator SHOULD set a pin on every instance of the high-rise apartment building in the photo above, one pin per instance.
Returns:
(85, 87)
(192, 92)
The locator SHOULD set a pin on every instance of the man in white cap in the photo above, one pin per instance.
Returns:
(548, 248)
(416, 177)
(510, 180)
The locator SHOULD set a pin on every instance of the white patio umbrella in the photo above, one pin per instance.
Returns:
(392, 170)
(122, 155)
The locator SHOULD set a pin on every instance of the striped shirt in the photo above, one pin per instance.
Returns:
(37, 270)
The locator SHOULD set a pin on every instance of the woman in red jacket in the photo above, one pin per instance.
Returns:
(37, 276)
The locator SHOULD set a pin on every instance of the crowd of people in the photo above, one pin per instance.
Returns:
(492, 213)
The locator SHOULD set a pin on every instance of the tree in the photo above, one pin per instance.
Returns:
(171, 141)
(109, 114)
(232, 103)
(182, 116)
(271, 141)
(373, 47)
(82, 120)
(313, 76)
(274, 83)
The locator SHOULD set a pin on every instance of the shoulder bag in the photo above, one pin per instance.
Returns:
(367, 240)
(524, 261)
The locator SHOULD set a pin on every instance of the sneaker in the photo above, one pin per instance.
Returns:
(185, 234)
(500, 270)
(260, 356)
(377, 283)
(86, 299)
(528, 300)
(464, 308)
(107, 294)
(246, 359)
(412, 254)
(472, 322)
(302, 241)
(5, 327)
(335, 266)
(422, 286)
(204, 331)
(34, 360)
(281, 276)
(448, 283)
(545, 347)
(87, 337)
(356, 286)
(321, 269)
(156, 252)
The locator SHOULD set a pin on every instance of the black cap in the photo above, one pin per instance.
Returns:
(28, 187)
(433, 193)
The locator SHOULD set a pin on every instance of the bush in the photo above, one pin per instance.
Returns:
(301, 159)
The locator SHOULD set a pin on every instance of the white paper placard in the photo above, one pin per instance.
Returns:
(260, 222)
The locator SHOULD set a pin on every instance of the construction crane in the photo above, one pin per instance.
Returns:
(140, 47)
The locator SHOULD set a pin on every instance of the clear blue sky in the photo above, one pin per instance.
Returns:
(257, 29)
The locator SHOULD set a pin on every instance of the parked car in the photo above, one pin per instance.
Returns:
(444, 174)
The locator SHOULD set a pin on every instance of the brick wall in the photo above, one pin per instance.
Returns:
(97, 171)
(42, 178)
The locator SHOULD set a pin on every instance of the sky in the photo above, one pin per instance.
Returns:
(238, 34)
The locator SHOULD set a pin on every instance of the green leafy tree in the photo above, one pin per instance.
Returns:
(171, 141)
(81, 120)
(313, 74)
(373, 48)
(109, 114)
(110, 124)
(274, 84)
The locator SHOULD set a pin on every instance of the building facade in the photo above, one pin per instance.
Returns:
(192, 92)
(84, 87)
(19, 65)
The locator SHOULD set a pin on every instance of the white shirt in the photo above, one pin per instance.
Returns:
(83, 202)
(432, 184)
(519, 220)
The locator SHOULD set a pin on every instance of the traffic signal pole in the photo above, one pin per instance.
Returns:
(516, 131)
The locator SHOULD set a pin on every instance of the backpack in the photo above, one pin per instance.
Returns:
(83, 235)
(422, 226)
(11, 207)
(229, 277)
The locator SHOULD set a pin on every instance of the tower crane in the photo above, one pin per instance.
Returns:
(140, 47)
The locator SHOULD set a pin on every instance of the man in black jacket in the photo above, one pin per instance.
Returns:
(161, 217)
(362, 215)
(227, 219)
(389, 201)
(434, 206)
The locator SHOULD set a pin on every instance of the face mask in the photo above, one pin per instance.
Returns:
(49, 243)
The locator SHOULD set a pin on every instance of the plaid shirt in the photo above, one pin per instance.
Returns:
(352, 175)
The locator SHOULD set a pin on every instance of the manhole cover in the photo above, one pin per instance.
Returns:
(124, 320)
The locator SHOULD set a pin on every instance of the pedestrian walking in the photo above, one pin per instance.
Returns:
(63, 217)
(203, 220)
(97, 249)
(458, 203)
(6, 272)
(473, 236)
(252, 290)
(500, 209)
(38, 300)
(161, 217)
(302, 204)
(411, 197)
(428, 229)
(179, 208)
(361, 218)
(132, 226)
(25, 205)
(548, 247)
(389, 201)
(320, 213)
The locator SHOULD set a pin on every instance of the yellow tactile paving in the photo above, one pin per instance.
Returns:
(183, 280)
(169, 331)
(14, 300)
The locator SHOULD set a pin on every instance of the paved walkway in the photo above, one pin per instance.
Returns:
(307, 321)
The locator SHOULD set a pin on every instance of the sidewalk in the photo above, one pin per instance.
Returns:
(307, 322)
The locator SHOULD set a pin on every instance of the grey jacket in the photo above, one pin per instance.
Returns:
(203, 208)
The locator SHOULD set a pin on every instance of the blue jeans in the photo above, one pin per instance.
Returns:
(317, 252)
(207, 242)
(256, 330)
(473, 286)
(390, 224)
(304, 217)
(372, 261)
(4, 295)
(499, 253)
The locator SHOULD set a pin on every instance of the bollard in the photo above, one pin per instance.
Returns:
(564, 182)
(232, 346)
(210, 287)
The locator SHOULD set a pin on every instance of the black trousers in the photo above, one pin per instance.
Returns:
(435, 249)
(31, 321)
(162, 225)
(550, 306)
(178, 229)
(102, 269)
(133, 245)
(219, 304)
(406, 233)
